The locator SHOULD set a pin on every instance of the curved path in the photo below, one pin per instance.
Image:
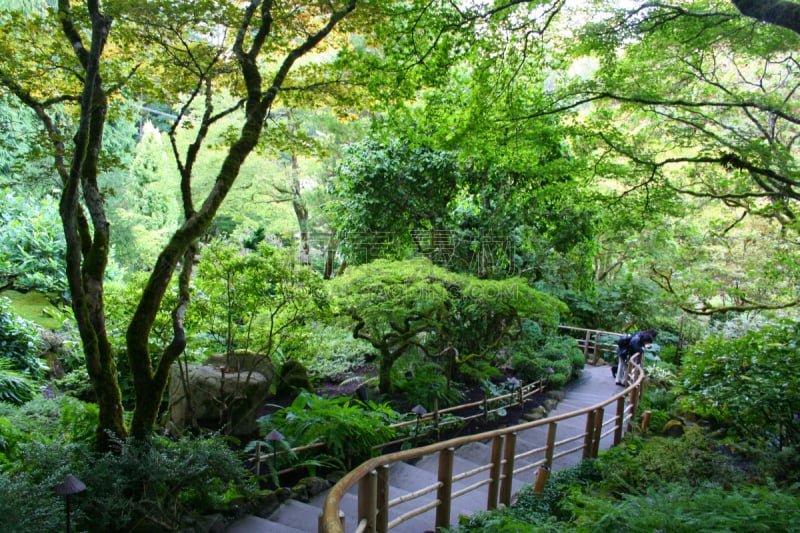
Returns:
(595, 385)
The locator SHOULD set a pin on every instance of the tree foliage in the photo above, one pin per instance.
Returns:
(414, 305)
(87, 53)
(253, 299)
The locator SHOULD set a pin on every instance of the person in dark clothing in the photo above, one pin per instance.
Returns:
(627, 347)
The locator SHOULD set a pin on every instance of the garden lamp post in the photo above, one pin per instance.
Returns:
(70, 486)
(274, 437)
(420, 412)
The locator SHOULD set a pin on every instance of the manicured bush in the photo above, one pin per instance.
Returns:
(558, 360)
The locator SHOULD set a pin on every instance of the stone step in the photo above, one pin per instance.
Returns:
(254, 524)
(594, 385)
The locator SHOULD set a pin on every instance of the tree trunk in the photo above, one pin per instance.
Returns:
(87, 251)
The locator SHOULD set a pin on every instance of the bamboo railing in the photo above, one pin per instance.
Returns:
(373, 476)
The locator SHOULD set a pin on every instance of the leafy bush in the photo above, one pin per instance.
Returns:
(138, 487)
(347, 429)
(533, 512)
(19, 342)
(558, 360)
(62, 420)
(426, 383)
(693, 459)
(677, 508)
(751, 382)
(15, 387)
(32, 246)
(326, 350)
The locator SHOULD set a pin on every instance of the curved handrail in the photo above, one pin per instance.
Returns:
(331, 522)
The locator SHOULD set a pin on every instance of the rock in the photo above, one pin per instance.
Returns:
(244, 361)
(537, 413)
(266, 503)
(216, 399)
(293, 377)
(674, 428)
(308, 487)
(549, 404)
(557, 395)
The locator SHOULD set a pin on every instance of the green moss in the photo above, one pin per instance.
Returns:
(36, 307)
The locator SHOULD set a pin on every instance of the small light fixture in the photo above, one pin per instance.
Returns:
(274, 437)
(70, 486)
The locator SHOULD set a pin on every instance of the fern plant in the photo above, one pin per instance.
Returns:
(15, 387)
(348, 429)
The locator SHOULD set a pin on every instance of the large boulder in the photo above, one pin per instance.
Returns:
(217, 398)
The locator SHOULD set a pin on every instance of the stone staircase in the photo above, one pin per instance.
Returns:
(594, 386)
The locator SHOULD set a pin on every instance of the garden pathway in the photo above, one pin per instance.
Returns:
(594, 386)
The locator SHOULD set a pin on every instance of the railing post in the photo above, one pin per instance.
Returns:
(367, 500)
(494, 472)
(508, 469)
(589, 434)
(436, 417)
(258, 459)
(321, 522)
(541, 480)
(620, 421)
(634, 400)
(598, 431)
(382, 503)
(596, 347)
(445, 491)
(551, 445)
(645, 420)
(586, 344)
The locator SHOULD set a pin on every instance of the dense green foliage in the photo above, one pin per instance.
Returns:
(20, 366)
(348, 429)
(252, 299)
(667, 484)
(155, 487)
(401, 307)
(32, 244)
(750, 382)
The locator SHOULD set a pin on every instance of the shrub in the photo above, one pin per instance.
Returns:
(426, 383)
(533, 512)
(15, 387)
(19, 342)
(751, 382)
(326, 350)
(63, 419)
(32, 245)
(139, 487)
(558, 360)
(693, 459)
(678, 508)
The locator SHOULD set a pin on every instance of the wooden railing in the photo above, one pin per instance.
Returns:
(427, 424)
(595, 343)
(373, 476)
